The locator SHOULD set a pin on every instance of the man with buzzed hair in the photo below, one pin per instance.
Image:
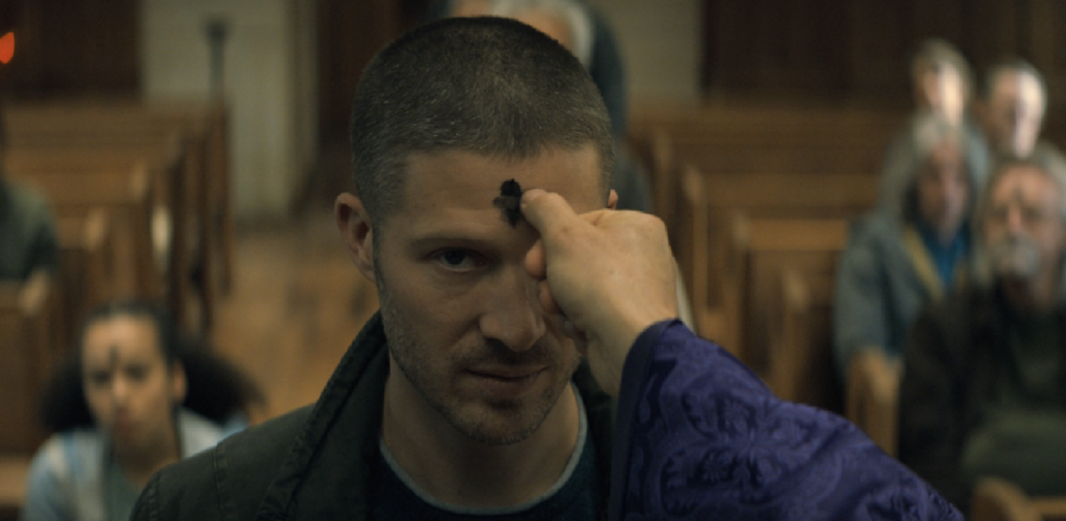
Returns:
(482, 161)
(461, 397)
(984, 386)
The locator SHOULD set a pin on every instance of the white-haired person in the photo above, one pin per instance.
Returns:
(984, 383)
(902, 256)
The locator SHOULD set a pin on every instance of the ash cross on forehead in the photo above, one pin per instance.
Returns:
(113, 359)
(509, 202)
(1019, 195)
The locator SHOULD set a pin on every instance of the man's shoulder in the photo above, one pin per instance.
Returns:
(877, 225)
(27, 201)
(875, 239)
(228, 481)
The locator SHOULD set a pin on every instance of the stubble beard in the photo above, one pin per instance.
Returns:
(496, 423)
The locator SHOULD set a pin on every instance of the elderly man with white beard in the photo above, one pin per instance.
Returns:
(984, 386)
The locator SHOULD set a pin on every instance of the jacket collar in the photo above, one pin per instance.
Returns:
(326, 474)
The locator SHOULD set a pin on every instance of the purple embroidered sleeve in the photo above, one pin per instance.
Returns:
(699, 436)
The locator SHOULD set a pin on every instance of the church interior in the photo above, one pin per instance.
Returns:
(191, 151)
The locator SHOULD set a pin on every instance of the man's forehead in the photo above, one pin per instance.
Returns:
(454, 177)
(1015, 85)
(1025, 184)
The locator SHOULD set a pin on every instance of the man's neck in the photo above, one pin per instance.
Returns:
(456, 469)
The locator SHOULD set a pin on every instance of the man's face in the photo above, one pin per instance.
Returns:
(941, 90)
(130, 391)
(1024, 229)
(462, 315)
(944, 190)
(1014, 113)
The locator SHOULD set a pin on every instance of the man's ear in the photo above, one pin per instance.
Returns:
(354, 225)
(612, 200)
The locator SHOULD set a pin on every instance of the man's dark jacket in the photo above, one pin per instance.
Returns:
(314, 463)
(954, 357)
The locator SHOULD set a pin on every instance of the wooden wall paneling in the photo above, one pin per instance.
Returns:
(822, 63)
(940, 19)
(777, 47)
(1046, 47)
(992, 30)
(27, 315)
(876, 50)
(349, 33)
(862, 48)
(725, 44)
(80, 47)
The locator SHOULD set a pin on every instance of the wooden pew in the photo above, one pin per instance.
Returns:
(778, 157)
(797, 361)
(996, 499)
(87, 275)
(791, 330)
(202, 131)
(164, 162)
(162, 157)
(709, 238)
(127, 197)
(13, 472)
(29, 351)
(725, 237)
(787, 195)
(798, 121)
(788, 141)
(705, 284)
(872, 398)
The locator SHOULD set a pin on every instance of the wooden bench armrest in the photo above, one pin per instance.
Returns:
(13, 472)
(788, 335)
(713, 324)
(873, 396)
(1050, 508)
(996, 499)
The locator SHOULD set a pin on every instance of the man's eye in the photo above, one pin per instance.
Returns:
(1032, 215)
(99, 378)
(137, 373)
(458, 260)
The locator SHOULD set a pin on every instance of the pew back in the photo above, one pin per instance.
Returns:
(29, 351)
(787, 280)
(127, 196)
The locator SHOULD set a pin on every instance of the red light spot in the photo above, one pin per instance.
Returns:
(7, 47)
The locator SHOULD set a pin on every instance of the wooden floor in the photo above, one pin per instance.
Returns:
(296, 304)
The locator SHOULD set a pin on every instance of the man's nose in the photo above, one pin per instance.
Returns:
(512, 313)
(1015, 221)
(119, 391)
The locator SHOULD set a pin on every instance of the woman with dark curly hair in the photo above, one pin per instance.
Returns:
(135, 397)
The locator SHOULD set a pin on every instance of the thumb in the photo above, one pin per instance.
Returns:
(549, 213)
